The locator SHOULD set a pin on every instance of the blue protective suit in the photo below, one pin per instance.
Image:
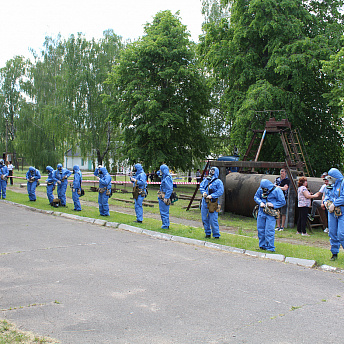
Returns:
(3, 182)
(213, 187)
(76, 187)
(104, 188)
(141, 179)
(60, 177)
(32, 176)
(50, 184)
(166, 187)
(266, 223)
(336, 223)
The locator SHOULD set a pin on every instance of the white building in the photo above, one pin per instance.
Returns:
(74, 158)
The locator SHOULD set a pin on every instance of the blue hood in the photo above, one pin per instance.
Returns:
(333, 172)
(103, 170)
(59, 165)
(32, 169)
(139, 168)
(216, 172)
(266, 184)
(76, 168)
(49, 169)
(164, 170)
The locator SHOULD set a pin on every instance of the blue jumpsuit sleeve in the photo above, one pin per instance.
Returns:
(77, 180)
(28, 175)
(203, 187)
(169, 186)
(258, 196)
(340, 200)
(141, 180)
(278, 199)
(5, 171)
(96, 172)
(217, 188)
(105, 181)
(37, 175)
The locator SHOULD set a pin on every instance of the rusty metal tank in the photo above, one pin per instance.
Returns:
(240, 190)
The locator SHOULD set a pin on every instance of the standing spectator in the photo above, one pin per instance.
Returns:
(76, 190)
(10, 172)
(139, 190)
(198, 176)
(164, 194)
(334, 202)
(32, 177)
(304, 202)
(211, 189)
(269, 197)
(50, 184)
(104, 190)
(3, 178)
(60, 177)
(151, 176)
(319, 203)
(283, 183)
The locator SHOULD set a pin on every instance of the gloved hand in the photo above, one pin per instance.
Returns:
(262, 204)
(73, 190)
(59, 182)
(133, 179)
(331, 208)
(269, 204)
(209, 197)
(167, 201)
(204, 195)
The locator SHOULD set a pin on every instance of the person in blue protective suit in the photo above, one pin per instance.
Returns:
(164, 194)
(211, 189)
(50, 184)
(334, 203)
(32, 177)
(139, 181)
(76, 187)
(3, 178)
(269, 198)
(104, 190)
(61, 178)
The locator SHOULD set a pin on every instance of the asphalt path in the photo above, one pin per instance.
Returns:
(83, 283)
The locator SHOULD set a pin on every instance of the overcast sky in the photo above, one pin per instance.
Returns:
(24, 24)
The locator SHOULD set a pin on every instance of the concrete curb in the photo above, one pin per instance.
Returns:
(165, 236)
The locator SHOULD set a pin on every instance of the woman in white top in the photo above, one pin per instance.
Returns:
(304, 202)
(10, 172)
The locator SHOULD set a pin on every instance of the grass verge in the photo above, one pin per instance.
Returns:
(9, 334)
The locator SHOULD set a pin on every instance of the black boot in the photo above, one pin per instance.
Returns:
(334, 256)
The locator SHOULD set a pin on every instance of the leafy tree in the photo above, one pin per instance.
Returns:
(44, 125)
(86, 67)
(11, 101)
(335, 68)
(160, 97)
(269, 55)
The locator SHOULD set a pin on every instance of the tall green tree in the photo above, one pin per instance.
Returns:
(86, 67)
(44, 125)
(335, 68)
(160, 97)
(12, 79)
(269, 54)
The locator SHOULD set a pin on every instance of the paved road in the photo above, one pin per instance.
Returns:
(82, 283)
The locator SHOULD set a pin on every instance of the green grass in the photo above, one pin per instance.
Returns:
(9, 334)
(244, 232)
